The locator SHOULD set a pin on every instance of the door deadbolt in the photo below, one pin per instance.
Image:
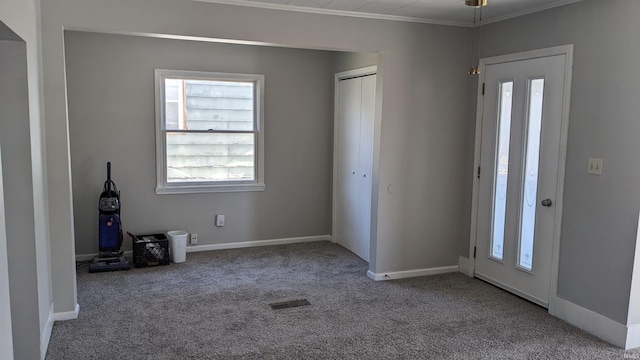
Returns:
(547, 203)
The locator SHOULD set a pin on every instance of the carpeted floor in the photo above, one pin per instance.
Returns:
(215, 306)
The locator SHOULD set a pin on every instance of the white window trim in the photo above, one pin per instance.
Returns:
(162, 186)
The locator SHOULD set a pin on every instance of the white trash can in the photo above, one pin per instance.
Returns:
(178, 245)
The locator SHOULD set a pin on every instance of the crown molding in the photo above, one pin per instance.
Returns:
(356, 14)
(529, 11)
(323, 11)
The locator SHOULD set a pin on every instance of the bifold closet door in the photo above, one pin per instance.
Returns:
(356, 103)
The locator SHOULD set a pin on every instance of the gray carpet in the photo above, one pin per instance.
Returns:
(214, 306)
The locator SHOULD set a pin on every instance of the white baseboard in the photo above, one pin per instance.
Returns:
(463, 264)
(412, 273)
(596, 324)
(236, 245)
(67, 315)
(46, 334)
(87, 257)
(246, 244)
(633, 337)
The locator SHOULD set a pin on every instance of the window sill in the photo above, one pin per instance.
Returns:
(197, 189)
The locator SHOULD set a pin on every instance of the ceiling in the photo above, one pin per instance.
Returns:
(447, 12)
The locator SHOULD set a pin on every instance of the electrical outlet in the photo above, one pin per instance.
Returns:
(594, 166)
(194, 239)
(219, 220)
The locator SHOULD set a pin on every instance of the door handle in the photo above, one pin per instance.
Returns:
(546, 203)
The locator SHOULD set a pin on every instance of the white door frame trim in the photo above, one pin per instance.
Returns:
(567, 51)
(369, 70)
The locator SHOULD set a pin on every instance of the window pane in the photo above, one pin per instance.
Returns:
(530, 178)
(171, 87)
(502, 171)
(219, 105)
(194, 157)
(172, 105)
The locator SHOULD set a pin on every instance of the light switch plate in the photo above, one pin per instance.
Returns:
(594, 166)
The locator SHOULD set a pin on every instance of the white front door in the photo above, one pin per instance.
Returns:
(522, 112)
(353, 154)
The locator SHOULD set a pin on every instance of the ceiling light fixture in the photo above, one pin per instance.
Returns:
(476, 2)
(475, 43)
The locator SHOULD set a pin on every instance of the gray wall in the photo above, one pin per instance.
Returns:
(423, 115)
(600, 212)
(18, 198)
(24, 177)
(9, 63)
(345, 61)
(111, 118)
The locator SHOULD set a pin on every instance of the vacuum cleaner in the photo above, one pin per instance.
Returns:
(109, 257)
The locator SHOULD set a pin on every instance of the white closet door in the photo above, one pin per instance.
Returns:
(348, 131)
(356, 103)
(365, 165)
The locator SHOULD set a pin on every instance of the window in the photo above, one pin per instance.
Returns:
(209, 134)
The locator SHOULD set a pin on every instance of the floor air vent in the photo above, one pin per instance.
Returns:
(289, 304)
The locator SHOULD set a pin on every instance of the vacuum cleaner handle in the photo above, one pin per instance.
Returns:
(110, 185)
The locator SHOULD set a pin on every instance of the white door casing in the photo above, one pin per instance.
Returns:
(536, 281)
(353, 159)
